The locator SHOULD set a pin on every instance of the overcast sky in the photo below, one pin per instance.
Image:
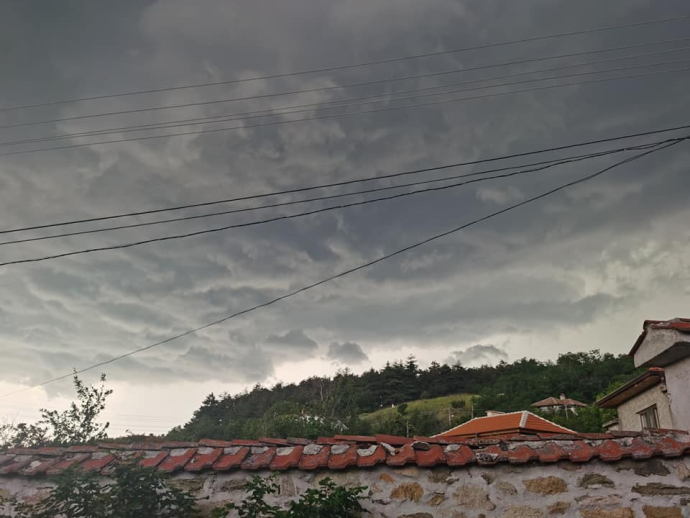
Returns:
(574, 272)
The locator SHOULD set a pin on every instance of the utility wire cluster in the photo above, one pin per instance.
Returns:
(386, 101)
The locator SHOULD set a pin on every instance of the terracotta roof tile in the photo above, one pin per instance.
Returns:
(231, 458)
(314, 456)
(431, 457)
(204, 458)
(342, 456)
(69, 461)
(452, 451)
(259, 457)
(505, 424)
(176, 459)
(286, 457)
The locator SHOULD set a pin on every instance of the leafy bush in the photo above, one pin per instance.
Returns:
(458, 403)
(135, 492)
(76, 425)
(326, 501)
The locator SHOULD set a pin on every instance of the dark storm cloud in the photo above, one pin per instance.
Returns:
(348, 353)
(296, 340)
(563, 263)
(477, 355)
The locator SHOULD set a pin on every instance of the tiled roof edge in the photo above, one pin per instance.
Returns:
(338, 455)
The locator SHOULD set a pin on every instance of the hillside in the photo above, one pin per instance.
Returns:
(452, 410)
(363, 403)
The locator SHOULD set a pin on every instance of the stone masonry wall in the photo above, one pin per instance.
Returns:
(653, 488)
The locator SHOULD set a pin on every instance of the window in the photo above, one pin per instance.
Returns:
(649, 417)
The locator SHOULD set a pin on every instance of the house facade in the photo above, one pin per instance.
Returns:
(660, 397)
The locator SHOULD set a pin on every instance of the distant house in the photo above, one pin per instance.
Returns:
(659, 398)
(498, 423)
(561, 404)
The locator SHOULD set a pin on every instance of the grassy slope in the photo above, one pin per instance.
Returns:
(438, 405)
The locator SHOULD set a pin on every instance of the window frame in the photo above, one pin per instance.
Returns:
(647, 413)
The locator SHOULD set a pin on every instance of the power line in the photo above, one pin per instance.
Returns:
(356, 65)
(284, 217)
(387, 96)
(357, 268)
(551, 163)
(349, 85)
(353, 181)
(346, 114)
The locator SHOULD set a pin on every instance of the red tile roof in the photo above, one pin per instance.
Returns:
(510, 423)
(350, 452)
(676, 324)
(554, 401)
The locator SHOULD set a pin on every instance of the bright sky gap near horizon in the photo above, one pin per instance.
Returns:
(577, 271)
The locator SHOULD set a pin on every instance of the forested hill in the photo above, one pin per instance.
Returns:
(323, 405)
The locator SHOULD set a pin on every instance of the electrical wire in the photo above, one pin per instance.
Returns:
(284, 217)
(353, 85)
(356, 268)
(335, 196)
(386, 97)
(355, 65)
(353, 181)
(335, 116)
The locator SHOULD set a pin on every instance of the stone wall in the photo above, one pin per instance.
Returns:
(655, 488)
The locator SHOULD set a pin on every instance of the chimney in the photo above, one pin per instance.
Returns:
(562, 396)
(492, 413)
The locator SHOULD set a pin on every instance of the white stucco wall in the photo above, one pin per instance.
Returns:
(678, 383)
(628, 412)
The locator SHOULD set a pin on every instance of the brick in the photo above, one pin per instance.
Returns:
(205, 458)
(274, 442)
(662, 512)
(355, 438)
(546, 485)
(286, 458)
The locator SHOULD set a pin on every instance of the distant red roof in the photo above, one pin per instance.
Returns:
(355, 452)
(523, 422)
(554, 401)
(677, 324)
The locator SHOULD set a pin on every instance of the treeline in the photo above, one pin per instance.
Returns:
(323, 405)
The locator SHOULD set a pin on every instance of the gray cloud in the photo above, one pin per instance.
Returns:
(296, 340)
(577, 259)
(348, 353)
(477, 355)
